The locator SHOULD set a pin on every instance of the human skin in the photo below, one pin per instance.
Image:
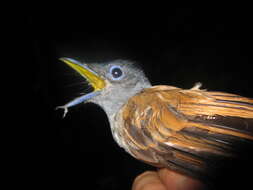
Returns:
(165, 179)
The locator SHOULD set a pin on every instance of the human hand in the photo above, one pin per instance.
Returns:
(165, 179)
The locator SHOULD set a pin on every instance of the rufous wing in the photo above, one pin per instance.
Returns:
(191, 131)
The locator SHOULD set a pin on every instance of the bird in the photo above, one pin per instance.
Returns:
(191, 131)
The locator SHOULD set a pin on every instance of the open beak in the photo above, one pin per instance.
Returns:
(93, 78)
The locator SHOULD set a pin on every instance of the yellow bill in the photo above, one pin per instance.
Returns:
(94, 79)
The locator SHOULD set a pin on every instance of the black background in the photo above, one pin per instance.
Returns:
(175, 46)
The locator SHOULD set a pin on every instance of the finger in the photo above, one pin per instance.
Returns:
(148, 181)
(175, 181)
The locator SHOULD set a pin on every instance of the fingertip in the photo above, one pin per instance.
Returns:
(176, 181)
(145, 174)
(148, 180)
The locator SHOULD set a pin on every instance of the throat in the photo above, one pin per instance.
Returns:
(112, 104)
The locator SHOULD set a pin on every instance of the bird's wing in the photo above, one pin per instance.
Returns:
(187, 130)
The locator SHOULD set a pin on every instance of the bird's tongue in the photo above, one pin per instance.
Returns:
(78, 101)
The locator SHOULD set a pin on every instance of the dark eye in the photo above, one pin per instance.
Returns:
(116, 72)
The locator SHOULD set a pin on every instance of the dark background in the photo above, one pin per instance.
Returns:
(175, 46)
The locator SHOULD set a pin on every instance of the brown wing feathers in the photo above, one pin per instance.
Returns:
(185, 129)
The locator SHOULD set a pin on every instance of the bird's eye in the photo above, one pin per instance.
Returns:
(116, 72)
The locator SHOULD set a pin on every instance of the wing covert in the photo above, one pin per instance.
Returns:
(190, 131)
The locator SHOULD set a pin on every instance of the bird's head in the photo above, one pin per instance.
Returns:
(113, 83)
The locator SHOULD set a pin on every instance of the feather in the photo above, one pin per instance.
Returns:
(191, 131)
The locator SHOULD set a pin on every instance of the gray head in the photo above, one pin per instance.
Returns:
(113, 82)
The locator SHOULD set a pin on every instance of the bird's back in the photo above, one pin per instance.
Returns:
(190, 131)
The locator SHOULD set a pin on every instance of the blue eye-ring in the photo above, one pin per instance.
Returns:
(116, 72)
